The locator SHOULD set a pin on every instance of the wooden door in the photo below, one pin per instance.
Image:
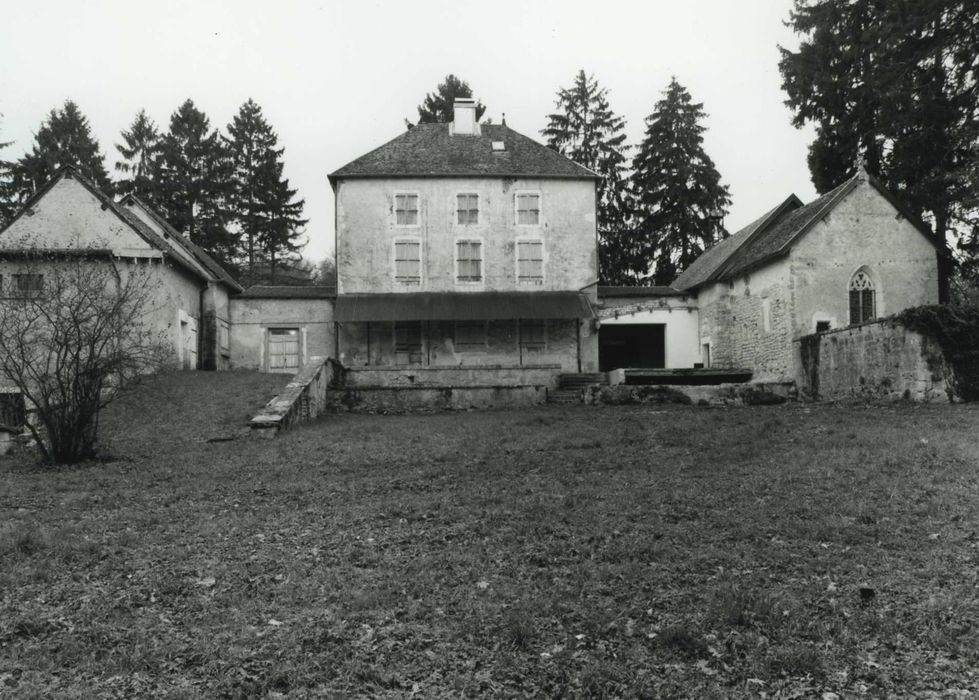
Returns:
(283, 350)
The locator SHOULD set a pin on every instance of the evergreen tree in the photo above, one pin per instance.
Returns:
(7, 194)
(894, 84)
(265, 209)
(194, 182)
(140, 151)
(587, 131)
(65, 138)
(437, 108)
(680, 200)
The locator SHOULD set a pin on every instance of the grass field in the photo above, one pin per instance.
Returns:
(604, 552)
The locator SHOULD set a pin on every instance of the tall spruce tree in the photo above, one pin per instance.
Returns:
(265, 209)
(7, 195)
(65, 138)
(894, 84)
(680, 201)
(437, 107)
(140, 152)
(194, 182)
(586, 130)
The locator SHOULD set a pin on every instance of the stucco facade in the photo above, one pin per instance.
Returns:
(189, 305)
(367, 231)
(678, 315)
(252, 318)
(463, 211)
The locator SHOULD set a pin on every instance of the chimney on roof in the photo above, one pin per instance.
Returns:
(464, 116)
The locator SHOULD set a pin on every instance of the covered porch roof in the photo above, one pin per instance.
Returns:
(468, 306)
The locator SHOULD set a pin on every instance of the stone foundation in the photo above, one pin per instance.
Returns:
(408, 399)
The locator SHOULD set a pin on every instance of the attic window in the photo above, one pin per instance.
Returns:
(499, 146)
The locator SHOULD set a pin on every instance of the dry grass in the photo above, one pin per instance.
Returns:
(616, 552)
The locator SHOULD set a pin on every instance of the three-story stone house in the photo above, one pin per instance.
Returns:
(465, 244)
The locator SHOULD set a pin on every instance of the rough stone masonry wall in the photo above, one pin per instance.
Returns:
(732, 317)
(876, 360)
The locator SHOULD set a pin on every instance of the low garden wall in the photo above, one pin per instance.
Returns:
(406, 399)
(452, 377)
(303, 399)
(879, 360)
(739, 394)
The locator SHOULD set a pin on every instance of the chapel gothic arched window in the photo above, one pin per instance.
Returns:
(863, 298)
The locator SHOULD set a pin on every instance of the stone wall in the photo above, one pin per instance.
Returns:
(407, 399)
(749, 323)
(875, 360)
(542, 375)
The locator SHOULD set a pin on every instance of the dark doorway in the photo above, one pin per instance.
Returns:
(632, 345)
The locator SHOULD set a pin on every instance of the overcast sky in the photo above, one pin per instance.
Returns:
(337, 79)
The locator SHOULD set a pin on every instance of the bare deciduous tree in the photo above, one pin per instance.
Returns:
(76, 329)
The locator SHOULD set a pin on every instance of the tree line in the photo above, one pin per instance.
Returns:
(225, 191)
(892, 84)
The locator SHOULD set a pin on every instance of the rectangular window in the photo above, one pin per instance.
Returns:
(533, 334)
(705, 354)
(822, 326)
(469, 261)
(408, 342)
(28, 284)
(408, 262)
(863, 305)
(530, 262)
(224, 337)
(528, 209)
(467, 208)
(406, 209)
(766, 315)
(470, 335)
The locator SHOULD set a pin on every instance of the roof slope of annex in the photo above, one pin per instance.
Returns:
(773, 235)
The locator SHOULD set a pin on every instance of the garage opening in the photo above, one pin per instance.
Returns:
(632, 346)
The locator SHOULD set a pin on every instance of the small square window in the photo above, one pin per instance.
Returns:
(469, 261)
(822, 326)
(29, 284)
(467, 209)
(530, 262)
(406, 209)
(408, 262)
(528, 209)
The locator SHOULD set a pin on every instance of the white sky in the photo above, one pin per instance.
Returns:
(336, 79)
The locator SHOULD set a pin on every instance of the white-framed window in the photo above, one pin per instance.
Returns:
(408, 342)
(530, 261)
(863, 297)
(766, 315)
(470, 335)
(408, 261)
(469, 261)
(406, 211)
(533, 333)
(467, 208)
(527, 206)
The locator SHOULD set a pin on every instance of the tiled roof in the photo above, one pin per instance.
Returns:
(703, 268)
(177, 238)
(773, 234)
(262, 291)
(430, 150)
(612, 292)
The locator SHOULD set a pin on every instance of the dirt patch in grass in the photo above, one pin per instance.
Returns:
(621, 551)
